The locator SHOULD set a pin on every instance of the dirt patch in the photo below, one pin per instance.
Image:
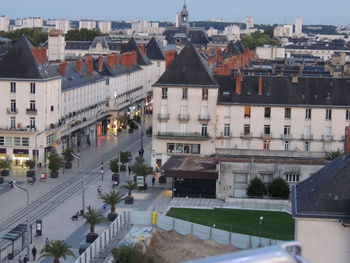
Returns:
(169, 247)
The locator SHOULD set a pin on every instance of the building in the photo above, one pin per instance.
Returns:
(250, 22)
(105, 26)
(270, 52)
(321, 208)
(61, 24)
(32, 22)
(232, 32)
(283, 31)
(56, 45)
(4, 24)
(146, 27)
(298, 30)
(87, 24)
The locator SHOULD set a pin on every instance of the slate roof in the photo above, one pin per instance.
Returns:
(187, 69)
(325, 194)
(281, 90)
(154, 51)
(80, 45)
(118, 70)
(317, 47)
(73, 78)
(195, 35)
(239, 46)
(232, 50)
(20, 63)
(132, 46)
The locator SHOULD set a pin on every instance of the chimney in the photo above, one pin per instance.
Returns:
(63, 67)
(111, 61)
(129, 59)
(170, 56)
(347, 140)
(43, 55)
(100, 63)
(78, 65)
(89, 64)
(116, 59)
(260, 88)
(238, 83)
(37, 54)
(142, 48)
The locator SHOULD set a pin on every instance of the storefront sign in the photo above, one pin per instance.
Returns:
(139, 181)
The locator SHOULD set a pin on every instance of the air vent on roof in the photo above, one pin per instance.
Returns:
(71, 78)
(226, 93)
(268, 94)
(248, 93)
(315, 96)
(328, 96)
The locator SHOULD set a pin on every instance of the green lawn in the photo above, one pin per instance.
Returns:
(275, 225)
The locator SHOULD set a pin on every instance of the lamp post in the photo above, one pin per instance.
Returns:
(27, 193)
(82, 180)
(119, 163)
(260, 226)
(36, 152)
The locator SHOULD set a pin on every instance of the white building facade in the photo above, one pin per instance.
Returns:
(4, 24)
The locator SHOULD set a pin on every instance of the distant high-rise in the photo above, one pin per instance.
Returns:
(4, 23)
(32, 22)
(88, 24)
(105, 26)
(250, 22)
(60, 24)
(298, 26)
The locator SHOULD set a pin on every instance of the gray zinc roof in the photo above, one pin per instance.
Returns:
(154, 51)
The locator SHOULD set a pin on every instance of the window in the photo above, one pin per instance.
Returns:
(170, 147)
(241, 178)
(107, 81)
(52, 107)
(292, 177)
(8, 141)
(204, 94)
(328, 114)
(267, 113)
(17, 141)
(13, 105)
(32, 122)
(183, 148)
(25, 141)
(266, 144)
(226, 130)
(286, 145)
(13, 123)
(246, 129)
(184, 93)
(308, 114)
(196, 148)
(32, 104)
(267, 129)
(347, 116)
(32, 88)
(164, 93)
(286, 130)
(50, 139)
(247, 110)
(307, 146)
(2, 140)
(163, 127)
(204, 130)
(183, 127)
(287, 113)
(13, 87)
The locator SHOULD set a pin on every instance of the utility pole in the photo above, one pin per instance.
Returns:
(102, 170)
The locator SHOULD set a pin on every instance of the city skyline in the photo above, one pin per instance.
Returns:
(273, 12)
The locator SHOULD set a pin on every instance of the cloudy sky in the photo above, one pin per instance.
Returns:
(265, 11)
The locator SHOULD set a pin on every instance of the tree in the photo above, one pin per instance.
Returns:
(112, 198)
(67, 155)
(4, 164)
(330, 156)
(130, 186)
(128, 254)
(114, 165)
(56, 249)
(257, 39)
(30, 164)
(256, 187)
(35, 35)
(55, 162)
(83, 34)
(139, 168)
(279, 188)
(93, 217)
(124, 156)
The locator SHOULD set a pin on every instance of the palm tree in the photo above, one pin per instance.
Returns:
(112, 198)
(93, 217)
(129, 185)
(141, 169)
(56, 249)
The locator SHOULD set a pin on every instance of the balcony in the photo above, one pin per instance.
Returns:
(204, 117)
(183, 135)
(18, 128)
(163, 116)
(266, 135)
(306, 136)
(327, 137)
(286, 136)
(12, 111)
(184, 117)
(32, 111)
(225, 136)
(246, 135)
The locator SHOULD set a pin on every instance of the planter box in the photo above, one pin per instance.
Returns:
(129, 200)
(53, 174)
(123, 168)
(67, 165)
(5, 173)
(91, 237)
(115, 177)
(143, 187)
(1, 180)
(112, 216)
(162, 180)
(31, 173)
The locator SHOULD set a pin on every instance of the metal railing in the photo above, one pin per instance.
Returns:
(204, 117)
(188, 135)
(163, 116)
(183, 117)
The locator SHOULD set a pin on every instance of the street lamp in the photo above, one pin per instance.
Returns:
(27, 193)
(82, 180)
(260, 226)
(36, 152)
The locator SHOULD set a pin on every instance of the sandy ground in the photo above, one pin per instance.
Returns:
(169, 247)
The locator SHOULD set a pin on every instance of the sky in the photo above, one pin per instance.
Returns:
(335, 12)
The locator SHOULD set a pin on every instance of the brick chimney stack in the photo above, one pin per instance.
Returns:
(169, 57)
(116, 59)
(63, 67)
(129, 59)
(260, 88)
(111, 61)
(100, 63)
(78, 65)
(89, 64)
(238, 83)
(347, 140)
(40, 54)
(43, 54)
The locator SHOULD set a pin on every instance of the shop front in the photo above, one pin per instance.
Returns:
(3, 153)
(20, 156)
